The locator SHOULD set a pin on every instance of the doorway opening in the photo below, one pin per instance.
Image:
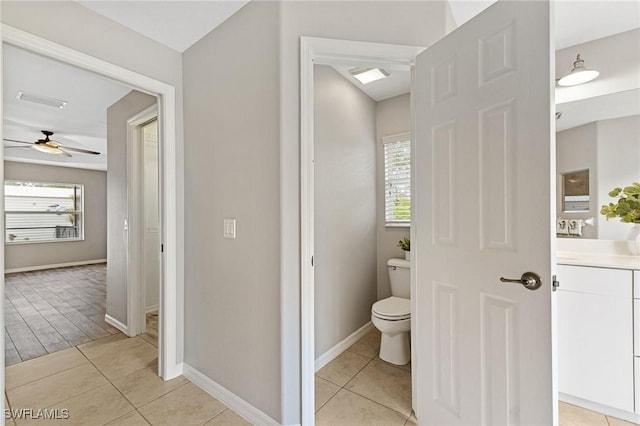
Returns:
(165, 94)
(320, 52)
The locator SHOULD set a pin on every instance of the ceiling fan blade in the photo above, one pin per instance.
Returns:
(7, 147)
(13, 140)
(84, 151)
(65, 153)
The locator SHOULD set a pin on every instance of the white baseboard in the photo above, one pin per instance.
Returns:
(56, 265)
(117, 324)
(150, 309)
(233, 401)
(604, 409)
(332, 353)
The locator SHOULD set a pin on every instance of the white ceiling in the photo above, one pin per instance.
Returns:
(82, 123)
(177, 24)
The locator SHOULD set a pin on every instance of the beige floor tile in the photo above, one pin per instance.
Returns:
(349, 409)
(95, 407)
(613, 421)
(324, 391)
(150, 339)
(570, 415)
(111, 345)
(59, 387)
(343, 368)
(228, 418)
(385, 385)
(143, 386)
(187, 405)
(368, 345)
(125, 362)
(38, 368)
(131, 419)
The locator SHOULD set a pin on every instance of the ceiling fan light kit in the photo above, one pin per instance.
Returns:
(48, 146)
(578, 75)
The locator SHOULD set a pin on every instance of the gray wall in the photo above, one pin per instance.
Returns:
(232, 290)
(345, 208)
(117, 208)
(418, 23)
(94, 246)
(576, 149)
(618, 166)
(393, 116)
(63, 22)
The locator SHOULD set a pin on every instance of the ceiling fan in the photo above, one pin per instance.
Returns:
(49, 146)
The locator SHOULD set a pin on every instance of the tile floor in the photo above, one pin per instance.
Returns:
(54, 309)
(110, 381)
(358, 388)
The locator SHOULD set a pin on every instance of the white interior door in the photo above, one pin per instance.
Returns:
(483, 185)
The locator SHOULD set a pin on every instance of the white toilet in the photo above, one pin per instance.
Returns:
(392, 316)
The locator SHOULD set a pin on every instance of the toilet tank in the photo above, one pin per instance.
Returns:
(399, 277)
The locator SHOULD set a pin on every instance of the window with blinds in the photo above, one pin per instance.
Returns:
(42, 212)
(397, 179)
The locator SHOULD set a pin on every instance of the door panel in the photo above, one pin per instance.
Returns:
(484, 138)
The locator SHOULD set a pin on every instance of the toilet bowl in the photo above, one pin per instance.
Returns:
(392, 316)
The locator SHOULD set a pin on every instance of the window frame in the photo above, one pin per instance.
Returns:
(395, 138)
(80, 214)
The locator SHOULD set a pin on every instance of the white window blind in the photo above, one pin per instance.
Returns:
(397, 179)
(43, 212)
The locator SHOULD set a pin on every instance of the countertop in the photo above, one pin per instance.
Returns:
(616, 261)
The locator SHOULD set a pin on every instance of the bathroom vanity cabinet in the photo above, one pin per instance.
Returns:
(596, 353)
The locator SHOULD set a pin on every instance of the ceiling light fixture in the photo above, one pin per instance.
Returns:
(43, 100)
(578, 75)
(47, 148)
(367, 75)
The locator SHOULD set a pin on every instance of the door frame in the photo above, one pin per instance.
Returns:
(168, 365)
(136, 284)
(327, 52)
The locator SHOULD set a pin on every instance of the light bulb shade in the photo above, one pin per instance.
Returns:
(46, 149)
(578, 75)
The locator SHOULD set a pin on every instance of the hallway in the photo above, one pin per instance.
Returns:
(110, 381)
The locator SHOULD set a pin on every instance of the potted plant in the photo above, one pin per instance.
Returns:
(405, 244)
(627, 208)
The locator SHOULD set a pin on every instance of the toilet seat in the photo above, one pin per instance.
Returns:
(392, 309)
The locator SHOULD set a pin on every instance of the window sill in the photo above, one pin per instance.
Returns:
(66, 240)
(397, 225)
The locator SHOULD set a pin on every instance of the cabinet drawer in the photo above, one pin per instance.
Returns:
(636, 284)
(601, 281)
(636, 333)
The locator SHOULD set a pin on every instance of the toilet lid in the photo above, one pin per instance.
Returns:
(394, 308)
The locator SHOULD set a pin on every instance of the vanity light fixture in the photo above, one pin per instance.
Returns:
(367, 75)
(578, 75)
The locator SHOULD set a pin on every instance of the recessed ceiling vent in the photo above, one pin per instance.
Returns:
(42, 100)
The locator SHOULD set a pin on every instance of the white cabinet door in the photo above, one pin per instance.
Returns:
(595, 335)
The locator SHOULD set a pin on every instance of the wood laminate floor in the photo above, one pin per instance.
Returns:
(54, 309)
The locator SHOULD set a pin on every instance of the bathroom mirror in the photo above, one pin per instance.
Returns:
(597, 149)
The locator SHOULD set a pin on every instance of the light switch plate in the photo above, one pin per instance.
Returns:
(229, 228)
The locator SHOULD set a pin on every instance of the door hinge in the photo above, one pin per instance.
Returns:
(161, 248)
(555, 283)
(312, 261)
